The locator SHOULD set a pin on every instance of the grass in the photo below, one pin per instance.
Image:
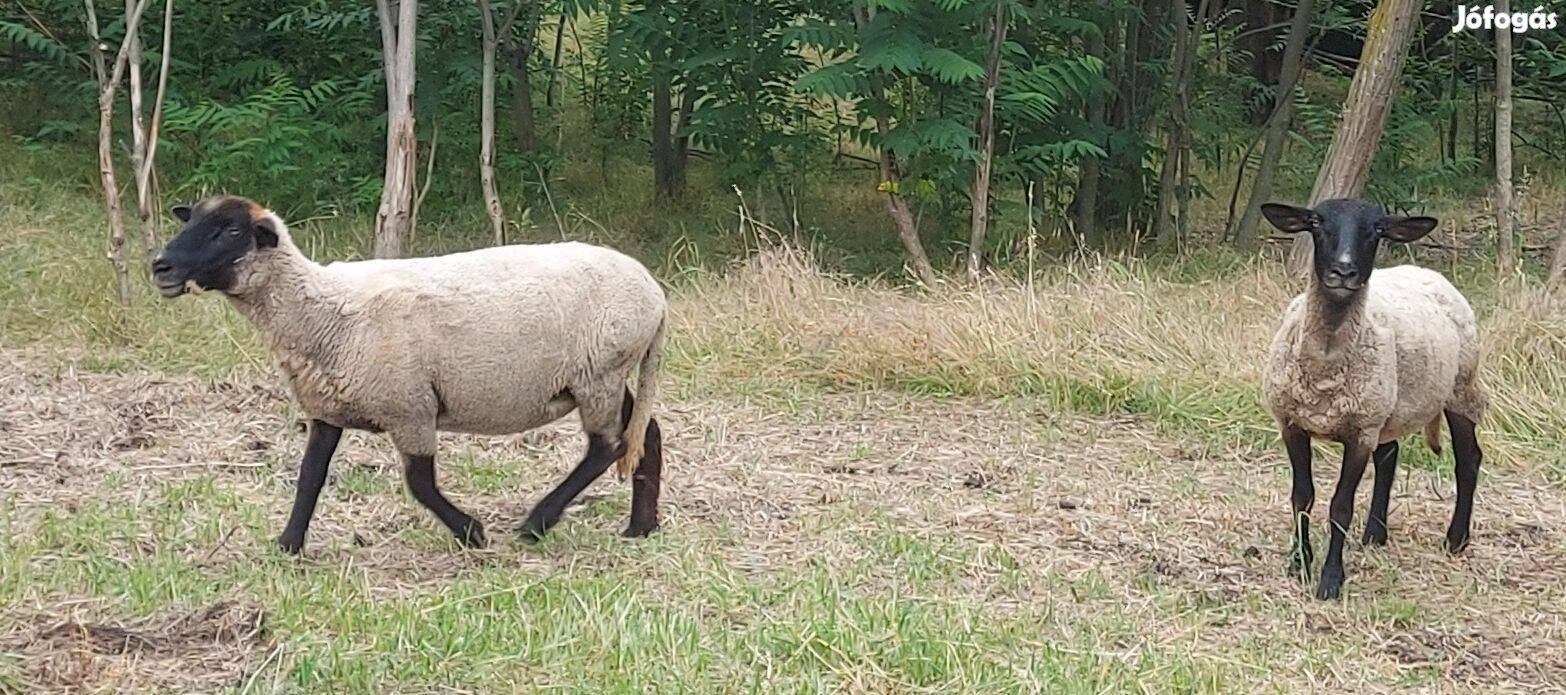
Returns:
(1057, 483)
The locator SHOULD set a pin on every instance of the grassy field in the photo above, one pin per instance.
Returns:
(1060, 483)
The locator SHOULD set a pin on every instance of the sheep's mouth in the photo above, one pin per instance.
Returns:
(1338, 284)
(170, 288)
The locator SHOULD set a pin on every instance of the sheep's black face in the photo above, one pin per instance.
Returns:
(1346, 234)
(218, 234)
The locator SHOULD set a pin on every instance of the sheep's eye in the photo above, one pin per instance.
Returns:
(233, 231)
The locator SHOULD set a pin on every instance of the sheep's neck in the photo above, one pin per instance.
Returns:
(1331, 325)
(300, 320)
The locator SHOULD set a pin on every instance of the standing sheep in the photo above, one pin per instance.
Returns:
(1365, 365)
(494, 341)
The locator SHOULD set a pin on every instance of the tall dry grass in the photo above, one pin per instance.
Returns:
(1096, 336)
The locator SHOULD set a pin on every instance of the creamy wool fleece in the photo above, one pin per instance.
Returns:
(1404, 351)
(493, 341)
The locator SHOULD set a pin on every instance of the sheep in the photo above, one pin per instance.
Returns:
(1365, 365)
(494, 341)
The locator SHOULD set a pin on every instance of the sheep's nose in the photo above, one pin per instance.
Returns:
(160, 265)
(1341, 269)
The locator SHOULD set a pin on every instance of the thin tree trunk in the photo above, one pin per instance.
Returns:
(1089, 170)
(663, 126)
(1558, 257)
(146, 196)
(108, 80)
(394, 219)
(1364, 116)
(1451, 97)
(518, 49)
(980, 224)
(138, 122)
(1277, 127)
(1506, 246)
(1186, 35)
(891, 178)
(554, 62)
(497, 217)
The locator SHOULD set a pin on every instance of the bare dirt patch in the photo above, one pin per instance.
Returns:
(197, 650)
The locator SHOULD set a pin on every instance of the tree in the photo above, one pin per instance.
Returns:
(516, 43)
(497, 217)
(1171, 182)
(145, 135)
(1506, 248)
(981, 176)
(1364, 115)
(1277, 129)
(394, 218)
(108, 79)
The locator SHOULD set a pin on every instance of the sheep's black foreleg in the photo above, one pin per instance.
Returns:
(1465, 448)
(320, 446)
(1381, 495)
(1355, 457)
(419, 472)
(600, 454)
(645, 483)
(1302, 498)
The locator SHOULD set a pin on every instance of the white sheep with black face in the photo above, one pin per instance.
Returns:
(493, 341)
(1365, 364)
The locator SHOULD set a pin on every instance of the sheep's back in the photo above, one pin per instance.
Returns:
(498, 333)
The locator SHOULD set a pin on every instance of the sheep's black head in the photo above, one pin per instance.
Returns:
(1347, 234)
(218, 235)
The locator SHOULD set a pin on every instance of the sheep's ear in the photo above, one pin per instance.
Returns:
(1406, 229)
(1288, 218)
(266, 232)
(180, 212)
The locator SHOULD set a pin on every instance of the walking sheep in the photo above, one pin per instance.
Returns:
(1365, 365)
(494, 341)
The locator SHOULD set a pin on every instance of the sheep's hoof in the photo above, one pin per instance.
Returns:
(289, 545)
(1300, 562)
(1331, 586)
(1456, 541)
(1374, 537)
(472, 535)
(638, 531)
(533, 530)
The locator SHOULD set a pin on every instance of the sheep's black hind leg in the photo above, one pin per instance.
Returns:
(598, 459)
(1301, 499)
(1465, 448)
(312, 477)
(419, 472)
(1381, 496)
(645, 484)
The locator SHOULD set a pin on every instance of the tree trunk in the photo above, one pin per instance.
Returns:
(1277, 127)
(1558, 257)
(664, 175)
(1365, 111)
(394, 219)
(497, 217)
(1506, 247)
(554, 63)
(979, 227)
(146, 197)
(108, 80)
(517, 46)
(138, 122)
(1186, 35)
(1089, 170)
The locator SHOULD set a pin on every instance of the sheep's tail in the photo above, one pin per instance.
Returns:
(1433, 434)
(641, 410)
